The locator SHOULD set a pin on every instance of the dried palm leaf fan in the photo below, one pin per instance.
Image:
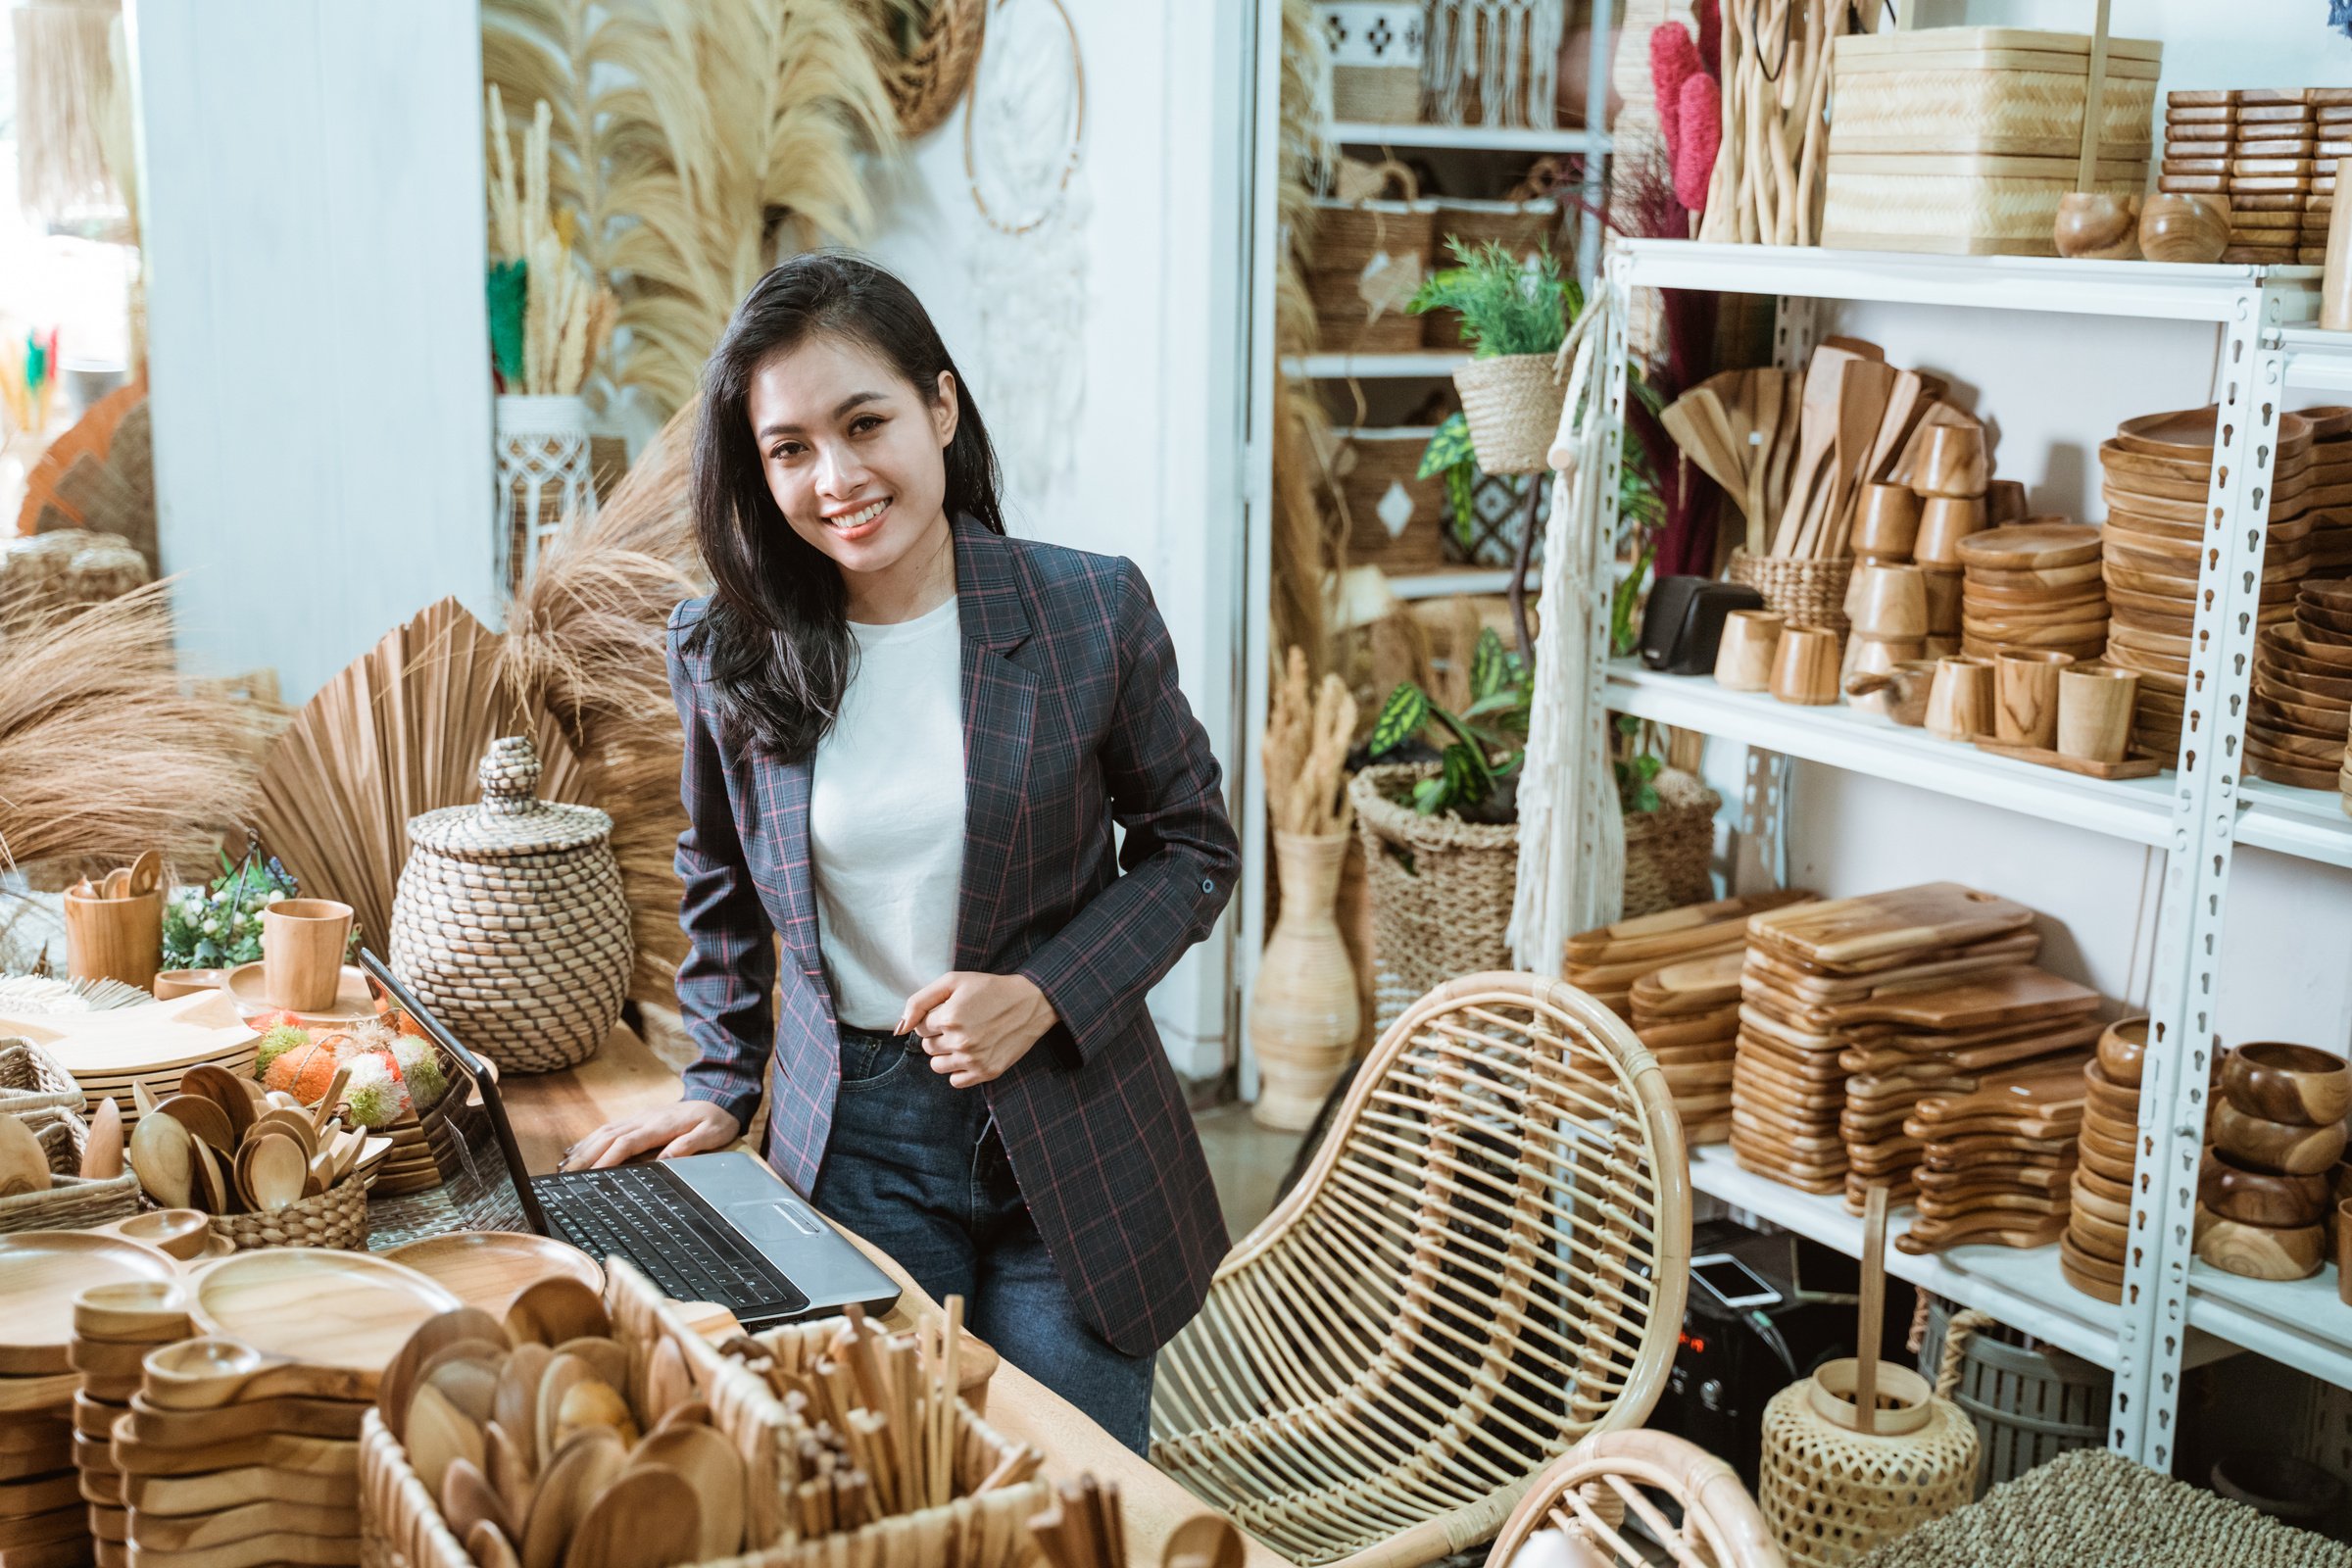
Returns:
(927, 79)
(98, 475)
(104, 751)
(1305, 544)
(400, 731)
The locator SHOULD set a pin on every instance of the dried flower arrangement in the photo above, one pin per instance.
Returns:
(550, 318)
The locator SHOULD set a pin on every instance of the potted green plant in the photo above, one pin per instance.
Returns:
(1514, 317)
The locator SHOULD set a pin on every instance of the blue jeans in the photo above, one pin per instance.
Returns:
(919, 1169)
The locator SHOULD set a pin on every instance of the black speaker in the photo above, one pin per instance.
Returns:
(1684, 623)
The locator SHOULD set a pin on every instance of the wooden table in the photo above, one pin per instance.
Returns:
(551, 1112)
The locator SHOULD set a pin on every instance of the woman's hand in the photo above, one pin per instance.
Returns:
(689, 1127)
(976, 1026)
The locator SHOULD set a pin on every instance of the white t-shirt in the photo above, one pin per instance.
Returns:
(886, 818)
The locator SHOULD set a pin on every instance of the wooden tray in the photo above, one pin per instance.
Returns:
(352, 1005)
(2023, 547)
(2141, 766)
(489, 1268)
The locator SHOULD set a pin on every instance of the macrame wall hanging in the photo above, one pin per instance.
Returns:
(1571, 827)
(1024, 137)
(1493, 62)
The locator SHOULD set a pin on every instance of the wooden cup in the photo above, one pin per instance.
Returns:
(302, 953)
(1877, 655)
(116, 939)
(1944, 521)
(1952, 462)
(2005, 502)
(1892, 602)
(2025, 710)
(1887, 522)
(1743, 656)
(1960, 702)
(1946, 589)
(2178, 227)
(2094, 712)
(1804, 667)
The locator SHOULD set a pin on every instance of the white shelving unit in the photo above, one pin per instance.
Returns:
(2178, 1311)
(1427, 366)
(1469, 139)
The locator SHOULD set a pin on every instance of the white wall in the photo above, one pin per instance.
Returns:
(1156, 473)
(314, 238)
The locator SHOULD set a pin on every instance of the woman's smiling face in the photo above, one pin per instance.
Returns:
(852, 452)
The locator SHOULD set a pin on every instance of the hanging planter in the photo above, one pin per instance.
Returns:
(1513, 406)
(543, 474)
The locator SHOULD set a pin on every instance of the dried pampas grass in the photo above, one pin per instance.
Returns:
(1306, 549)
(104, 751)
(1305, 752)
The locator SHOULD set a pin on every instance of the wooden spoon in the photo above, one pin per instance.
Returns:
(434, 1335)
(163, 1158)
(142, 1098)
(146, 875)
(24, 1163)
(467, 1498)
(514, 1405)
(1817, 434)
(216, 1187)
(645, 1519)
(295, 1124)
(102, 1151)
(556, 1309)
(225, 1090)
(324, 1111)
(709, 1465)
(490, 1546)
(608, 1359)
(667, 1383)
(272, 1170)
(466, 1377)
(593, 1402)
(508, 1471)
(436, 1432)
(571, 1482)
(201, 1117)
(116, 884)
(1205, 1541)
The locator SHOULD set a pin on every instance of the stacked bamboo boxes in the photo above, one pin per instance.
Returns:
(2270, 153)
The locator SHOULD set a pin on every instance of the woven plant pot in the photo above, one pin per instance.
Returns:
(1302, 1008)
(72, 1202)
(31, 1079)
(1667, 850)
(1513, 406)
(336, 1218)
(1802, 591)
(509, 923)
(1441, 888)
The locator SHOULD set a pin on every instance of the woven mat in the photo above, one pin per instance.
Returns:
(2094, 1508)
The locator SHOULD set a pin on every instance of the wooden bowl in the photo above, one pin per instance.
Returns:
(2300, 1085)
(2123, 1050)
(2259, 1252)
(2114, 1106)
(2096, 226)
(2275, 1146)
(2181, 228)
(2236, 1191)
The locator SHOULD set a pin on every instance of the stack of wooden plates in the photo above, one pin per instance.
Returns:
(2157, 470)
(1689, 1016)
(2098, 1232)
(1958, 1038)
(113, 1328)
(1788, 1074)
(2328, 500)
(2003, 1159)
(2302, 707)
(1604, 962)
(155, 1044)
(2034, 584)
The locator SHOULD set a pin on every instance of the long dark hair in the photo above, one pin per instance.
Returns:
(777, 630)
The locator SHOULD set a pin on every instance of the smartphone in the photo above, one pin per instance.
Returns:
(1731, 1282)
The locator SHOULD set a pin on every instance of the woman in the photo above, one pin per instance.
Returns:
(907, 740)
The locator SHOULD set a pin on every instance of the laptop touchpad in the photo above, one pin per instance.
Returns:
(777, 1219)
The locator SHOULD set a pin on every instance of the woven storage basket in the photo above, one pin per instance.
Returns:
(400, 1525)
(926, 85)
(1802, 591)
(1960, 204)
(1987, 90)
(1441, 888)
(1375, 48)
(509, 923)
(1667, 850)
(1513, 406)
(72, 1202)
(1344, 323)
(1349, 234)
(335, 1219)
(1385, 461)
(31, 1079)
(2029, 1405)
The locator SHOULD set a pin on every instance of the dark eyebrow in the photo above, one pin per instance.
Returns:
(839, 409)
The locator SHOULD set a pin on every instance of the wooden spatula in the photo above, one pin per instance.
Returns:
(1861, 406)
(1763, 400)
(1817, 436)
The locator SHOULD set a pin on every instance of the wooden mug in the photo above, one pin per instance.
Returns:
(1960, 702)
(1890, 602)
(2094, 712)
(1887, 522)
(1743, 655)
(1876, 656)
(114, 938)
(1952, 462)
(1900, 693)
(302, 953)
(2024, 708)
(1944, 521)
(2005, 502)
(1804, 667)
(1946, 589)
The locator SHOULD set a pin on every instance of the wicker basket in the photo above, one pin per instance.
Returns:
(1441, 888)
(1964, 204)
(1668, 850)
(1376, 50)
(1513, 406)
(1382, 485)
(1349, 234)
(1802, 591)
(927, 84)
(509, 923)
(335, 1219)
(31, 1079)
(1830, 1494)
(2029, 1405)
(72, 1202)
(1344, 323)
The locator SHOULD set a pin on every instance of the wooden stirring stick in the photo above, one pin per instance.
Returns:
(1874, 1311)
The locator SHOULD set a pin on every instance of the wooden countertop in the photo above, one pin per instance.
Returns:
(552, 1110)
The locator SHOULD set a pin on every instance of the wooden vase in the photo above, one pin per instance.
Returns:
(1303, 1013)
(116, 939)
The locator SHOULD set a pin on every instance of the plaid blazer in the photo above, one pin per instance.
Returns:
(1072, 722)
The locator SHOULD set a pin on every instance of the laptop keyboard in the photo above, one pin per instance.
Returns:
(638, 1212)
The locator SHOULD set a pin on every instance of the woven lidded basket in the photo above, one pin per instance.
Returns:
(509, 923)
(335, 1219)
(1800, 590)
(1667, 850)
(1830, 1494)
(31, 1079)
(1513, 407)
(72, 1202)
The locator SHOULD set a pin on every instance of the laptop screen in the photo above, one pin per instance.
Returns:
(483, 1185)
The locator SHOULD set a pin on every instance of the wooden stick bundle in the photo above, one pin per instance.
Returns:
(1305, 752)
(1767, 183)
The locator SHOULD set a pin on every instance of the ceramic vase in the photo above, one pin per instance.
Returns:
(1303, 1011)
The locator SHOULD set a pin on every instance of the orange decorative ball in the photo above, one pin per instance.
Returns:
(302, 1072)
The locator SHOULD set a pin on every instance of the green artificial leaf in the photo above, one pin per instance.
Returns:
(1501, 702)
(1628, 725)
(1429, 795)
(1647, 768)
(1489, 671)
(1400, 718)
(509, 296)
(1461, 498)
(1448, 446)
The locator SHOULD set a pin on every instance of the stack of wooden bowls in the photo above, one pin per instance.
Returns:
(1605, 962)
(2016, 1144)
(2091, 1254)
(2157, 471)
(1689, 1016)
(2302, 707)
(1959, 1036)
(2329, 498)
(2277, 1131)
(1788, 1078)
(115, 1326)
(2035, 584)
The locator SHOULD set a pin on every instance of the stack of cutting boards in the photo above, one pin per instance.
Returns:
(1605, 962)
(1689, 1016)
(2270, 153)
(153, 1043)
(1968, 1036)
(1788, 1077)
(2001, 1160)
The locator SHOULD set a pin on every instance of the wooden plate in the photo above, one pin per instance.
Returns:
(489, 1268)
(2119, 462)
(353, 1003)
(2301, 778)
(149, 1039)
(340, 1309)
(2031, 545)
(41, 1274)
(2187, 435)
(2032, 577)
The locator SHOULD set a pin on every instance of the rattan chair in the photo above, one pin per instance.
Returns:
(1588, 1493)
(1486, 1262)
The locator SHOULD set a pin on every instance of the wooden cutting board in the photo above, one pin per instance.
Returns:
(1799, 985)
(1975, 1047)
(2009, 997)
(1693, 985)
(1842, 932)
(1673, 933)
